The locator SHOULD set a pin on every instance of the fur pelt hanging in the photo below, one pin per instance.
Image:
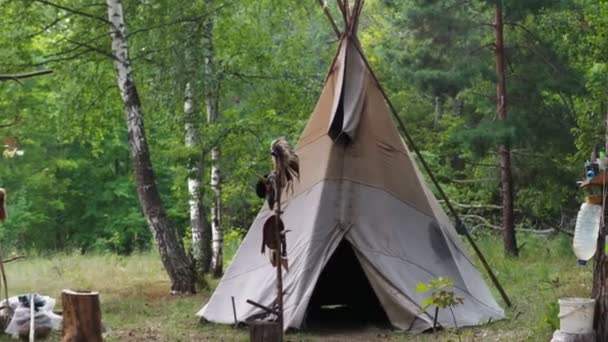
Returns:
(3, 211)
(265, 189)
(269, 241)
(285, 163)
(285, 170)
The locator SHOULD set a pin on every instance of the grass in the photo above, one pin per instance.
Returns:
(136, 304)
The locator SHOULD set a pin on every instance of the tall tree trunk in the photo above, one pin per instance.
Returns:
(600, 273)
(201, 237)
(178, 266)
(211, 100)
(504, 153)
(438, 111)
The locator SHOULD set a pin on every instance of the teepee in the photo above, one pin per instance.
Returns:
(364, 226)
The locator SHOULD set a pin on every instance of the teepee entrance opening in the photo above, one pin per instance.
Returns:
(343, 297)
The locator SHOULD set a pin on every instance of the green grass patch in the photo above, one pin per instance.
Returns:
(137, 306)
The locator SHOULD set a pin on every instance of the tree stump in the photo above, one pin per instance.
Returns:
(265, 331)
(81, 316)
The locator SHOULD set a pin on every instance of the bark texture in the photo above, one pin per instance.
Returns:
(201, 237)
(211, 100)
(174, 258)
(504, 152)
(600, 277)
(81, 316)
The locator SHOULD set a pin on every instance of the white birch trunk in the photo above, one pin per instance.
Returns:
(200, 241)
(172, 254)
(211, 99)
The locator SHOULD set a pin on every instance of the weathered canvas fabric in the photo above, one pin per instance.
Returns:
(368, 191)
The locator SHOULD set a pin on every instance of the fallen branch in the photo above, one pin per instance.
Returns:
(15, 258)
(488, 224)
(480, 180)
(474, 206)
(483, 220)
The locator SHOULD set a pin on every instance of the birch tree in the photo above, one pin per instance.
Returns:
(200, 233)
(174, 259)
(211, 101)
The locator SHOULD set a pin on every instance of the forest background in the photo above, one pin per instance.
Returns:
(262, 65)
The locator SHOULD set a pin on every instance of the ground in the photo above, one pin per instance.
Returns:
(136, 304)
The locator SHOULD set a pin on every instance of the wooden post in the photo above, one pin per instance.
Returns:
(81, 316)
(600, 272)
(277, 234)
(265, 331)
(32, 328)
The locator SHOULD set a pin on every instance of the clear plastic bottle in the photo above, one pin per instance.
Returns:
(586, 231)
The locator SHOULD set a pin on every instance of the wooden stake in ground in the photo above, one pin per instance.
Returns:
(81, 316)
(280, 253)
(32, 327)
(286, 169)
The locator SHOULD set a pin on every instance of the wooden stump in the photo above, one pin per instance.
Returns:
(264, 331)
(81, 316)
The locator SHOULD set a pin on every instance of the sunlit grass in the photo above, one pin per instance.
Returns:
(137, 306)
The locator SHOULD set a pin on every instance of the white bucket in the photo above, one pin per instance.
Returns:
(576, 315)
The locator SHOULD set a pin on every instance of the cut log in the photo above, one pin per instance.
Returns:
(81, 316)
(265, 331)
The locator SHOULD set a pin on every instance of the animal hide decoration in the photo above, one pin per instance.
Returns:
(3, 211)
(265, 189)
(285, 162)
(285, 170)
(269, 241)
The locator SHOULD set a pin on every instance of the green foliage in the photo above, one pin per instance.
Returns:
(440, 296)
(551, 317)
(137, 305)
(73, 188)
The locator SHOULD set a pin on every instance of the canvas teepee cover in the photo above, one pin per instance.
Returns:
(358, 183)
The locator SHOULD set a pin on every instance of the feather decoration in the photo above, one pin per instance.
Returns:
(285, 162)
